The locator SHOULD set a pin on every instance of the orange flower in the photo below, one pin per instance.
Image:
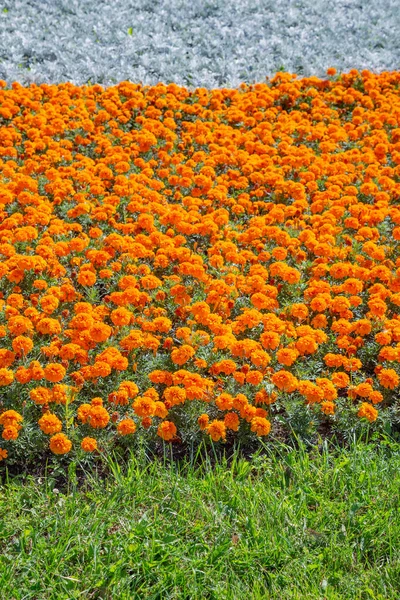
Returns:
(363, 389)
(126, 427)
(50, 423)
(224, 401)
(300, 311)
(60, 444)
(161, 410)
(287, 356)
(40, 395)
(181, 355)
(328, 407)
(254, 377)
(9, 433)
(121, 316)
(83, 412)
(144, 406)
(216, 430)
(203, 421)
(284, 381)
(100, 332)
(167, 431)
(340, 379)
(174, 395)
(306, 345)
(6, 377)
(98, 417)
(89, 444)
(333, 360)
(6, 357)
(10, 417)
(86, 278)
(231, 421)
(388, 378)
(260, 426)
(376, 397)
(22, 344)
(147, 422)
(367, 411)
(54, 372)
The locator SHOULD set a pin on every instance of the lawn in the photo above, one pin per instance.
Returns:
(287, 524)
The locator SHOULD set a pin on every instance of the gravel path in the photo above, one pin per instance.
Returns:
(209, 43)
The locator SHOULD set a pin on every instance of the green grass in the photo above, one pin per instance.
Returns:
(287, 525)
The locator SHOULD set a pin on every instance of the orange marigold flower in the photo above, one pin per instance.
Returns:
(388, 378)
(3, 454)
(54, 372)
(248, 412)
(161, 410)
(327, 387)
(86, 278)
(216, 430)
(83, 412)
(328, 407)
(260, 426)
(144, 406)
(340, 379)
(375, 397)
(50, 423)
(10, 432)
(121, 316)
(100, 332)
(174, 395)
(167, 431)
(98, 417)
(299, 310)
(306, 345)
(6, 357)
(181, 355)
(310, 391)
(10, 417)
(284, 381)
(363, 389)
(203, 421)
(259, 358)
(22, 344)
(287, 356)
(119, 397)
(147, 422)
(224, 366)
(60, 444)
(6, 377)
(367, 411)
(100, 369)
(126, 427)
(224, 401)
(89, 444)
(333, 360)
(231, 421)
(254, 377)
(40, 395)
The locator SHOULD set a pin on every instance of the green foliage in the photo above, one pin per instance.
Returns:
(286, 524)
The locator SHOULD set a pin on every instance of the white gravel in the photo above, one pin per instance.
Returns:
(210, 43)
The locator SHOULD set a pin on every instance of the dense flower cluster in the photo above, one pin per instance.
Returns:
(227, 250)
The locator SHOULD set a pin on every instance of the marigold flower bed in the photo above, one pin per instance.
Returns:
(198, 262)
